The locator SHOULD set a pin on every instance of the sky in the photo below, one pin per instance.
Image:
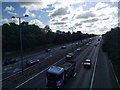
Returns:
(80, 15)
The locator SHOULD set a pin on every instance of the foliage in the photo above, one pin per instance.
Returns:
(33, 36)
(111, 45)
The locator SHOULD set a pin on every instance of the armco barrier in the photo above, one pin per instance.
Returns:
(18, 78)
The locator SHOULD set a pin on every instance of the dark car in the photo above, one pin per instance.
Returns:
(87, 44)
(96, 44)
(63, 47)
(68, 57)
(71, 54)
(47, 50)
(7, 62)
(87, 64)
(76, 44)
(78, 49)
(30, 62)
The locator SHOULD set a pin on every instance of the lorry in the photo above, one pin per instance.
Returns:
(57, 75)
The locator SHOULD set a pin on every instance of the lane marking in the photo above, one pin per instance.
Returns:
(74, 74)
(48, 56)
(115, 75)
(16, 70)
(94, 71)
(31, 78)
(7, 68)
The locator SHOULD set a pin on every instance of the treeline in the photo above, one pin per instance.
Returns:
(111, 45)
(33, 36)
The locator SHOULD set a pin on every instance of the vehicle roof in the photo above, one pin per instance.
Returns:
(68, 56)
(87, 60)
(55, 70)
(70, 53)
(78, 48)
(87, 63)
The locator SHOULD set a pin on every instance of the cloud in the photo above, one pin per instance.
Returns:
(64, 18)
(114, 0)
(59, 12)
(97, 18)
(12, 13)
(107, 11)
(59, 23)
(86, 14)
(31, 5)
(10, 8)
(78, 24)
(100, 5)
(37, 22)
(4, 20)
(90, 20)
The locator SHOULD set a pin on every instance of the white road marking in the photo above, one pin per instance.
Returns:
(115, 75)
(74, 74)
(16, 70)
(93, 72)
(48, 56)
(7, 68)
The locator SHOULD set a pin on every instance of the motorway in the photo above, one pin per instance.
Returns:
(96, 77)
(16, 67)
(12, 69)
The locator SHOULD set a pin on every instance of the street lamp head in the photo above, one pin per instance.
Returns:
(13, 17)
(26, 15)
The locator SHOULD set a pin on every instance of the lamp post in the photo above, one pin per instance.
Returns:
(72, 35)
(21, 47)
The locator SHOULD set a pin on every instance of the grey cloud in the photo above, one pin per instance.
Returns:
(65, 18)
(91, 25)
(60, 11)
(59, 23)
(106, 18)
(29, 3)
(78, 24)
(90, 20)
(85, 15)
(88, 26)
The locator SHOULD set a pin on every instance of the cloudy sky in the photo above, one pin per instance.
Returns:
(65, 15)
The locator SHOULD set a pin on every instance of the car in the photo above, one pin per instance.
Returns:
(76, 44)
(12, 61)
(71, 54)
(63, 47)
(98, 39)
(78, 49)
(47, 50)
(68, 57)
(31, 62)
(87, 64)
(96, 44)
(87, 44)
